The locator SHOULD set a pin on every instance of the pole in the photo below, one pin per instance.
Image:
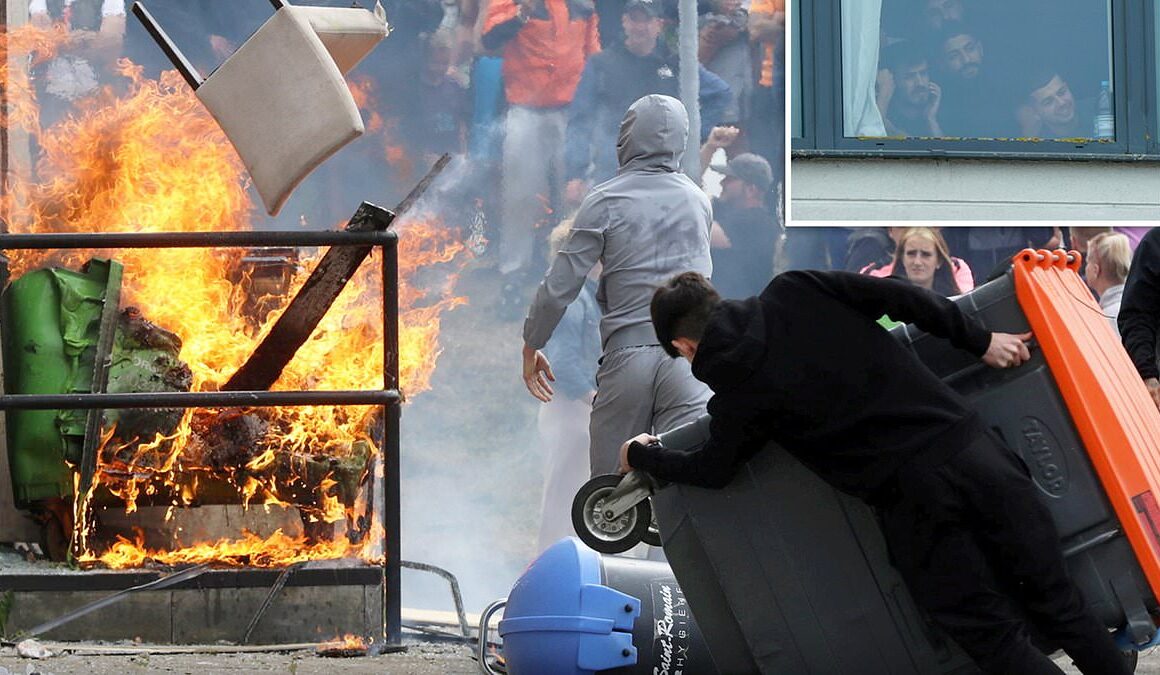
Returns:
(390, 487)
(690, 86)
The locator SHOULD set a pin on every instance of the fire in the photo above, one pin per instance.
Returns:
(348, 644)
(147, 157)
(39, 44)
(277, 550)
(385, 130)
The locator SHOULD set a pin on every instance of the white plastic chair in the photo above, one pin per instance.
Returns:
(281, 98)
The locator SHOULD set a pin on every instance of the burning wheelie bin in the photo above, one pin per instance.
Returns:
(53, 325)
(785, 574)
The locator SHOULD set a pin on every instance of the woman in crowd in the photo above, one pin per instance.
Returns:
(1108, 258)
(927, 262)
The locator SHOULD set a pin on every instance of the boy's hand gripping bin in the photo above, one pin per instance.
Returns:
(786, 574)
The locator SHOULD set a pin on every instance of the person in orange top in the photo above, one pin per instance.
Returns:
(767, 28)
(545, 44)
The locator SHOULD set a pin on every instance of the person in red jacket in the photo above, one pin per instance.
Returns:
(545, 44)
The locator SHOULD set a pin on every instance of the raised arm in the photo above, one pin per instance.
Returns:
(902, 301)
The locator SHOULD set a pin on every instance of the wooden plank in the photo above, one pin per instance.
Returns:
(294, 327)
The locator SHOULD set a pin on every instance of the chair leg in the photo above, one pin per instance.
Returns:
(183, 65)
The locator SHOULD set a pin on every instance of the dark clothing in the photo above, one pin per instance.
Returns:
(962, 531)
(746, 267)
(1139, 319)
(868, 247)
(982, 107)
(908, 122)
(611, 82)
(396, 63)
(988, 250)
(961, 515)
(816, 248)
(853, 416)
(433, 117)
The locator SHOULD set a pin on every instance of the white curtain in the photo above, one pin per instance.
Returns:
(860, 30)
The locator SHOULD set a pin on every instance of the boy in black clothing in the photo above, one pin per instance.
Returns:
(805, 364)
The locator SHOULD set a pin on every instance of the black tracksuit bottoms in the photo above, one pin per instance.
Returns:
(981, 555)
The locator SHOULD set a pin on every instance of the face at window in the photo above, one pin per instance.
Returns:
(963, 55)
(913, 82)
(640, 31)
(1054, 103)
(920, 259)
(939, 12)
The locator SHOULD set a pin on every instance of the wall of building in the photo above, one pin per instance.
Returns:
(961, 189)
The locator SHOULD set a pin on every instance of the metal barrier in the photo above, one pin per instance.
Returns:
(388, 397)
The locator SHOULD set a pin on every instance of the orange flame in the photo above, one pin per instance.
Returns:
(346, 643)
(147, 157)
(251, 550)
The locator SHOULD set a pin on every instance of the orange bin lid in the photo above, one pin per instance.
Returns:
(1106, 397)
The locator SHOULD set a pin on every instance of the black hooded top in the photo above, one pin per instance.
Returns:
(1139, 318)
(806, 364)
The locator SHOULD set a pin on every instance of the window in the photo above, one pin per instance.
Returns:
(796, 75)
(974, 76)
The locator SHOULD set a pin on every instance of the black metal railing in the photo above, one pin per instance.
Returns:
(388, 396)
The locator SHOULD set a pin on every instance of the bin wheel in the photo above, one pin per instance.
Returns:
(597, 532)
(55, 516)
(1131, 660)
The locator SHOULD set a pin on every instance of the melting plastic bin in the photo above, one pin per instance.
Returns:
(52, 322)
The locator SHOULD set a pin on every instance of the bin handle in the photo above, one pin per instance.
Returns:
(484, 619)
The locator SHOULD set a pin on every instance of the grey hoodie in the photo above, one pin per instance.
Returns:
(645, 225)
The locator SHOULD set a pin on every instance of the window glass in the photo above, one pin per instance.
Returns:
(977, 69)
(796, 75)
(1156, 49)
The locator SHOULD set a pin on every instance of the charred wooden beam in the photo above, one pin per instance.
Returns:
(108, 328)
(321, 289)
(313, 301)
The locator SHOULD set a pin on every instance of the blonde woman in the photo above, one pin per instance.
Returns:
(926, 261)
(1108, 258)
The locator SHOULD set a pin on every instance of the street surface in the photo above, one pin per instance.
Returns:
(419, 659)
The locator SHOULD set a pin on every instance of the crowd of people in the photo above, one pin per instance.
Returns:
(971, 68)
(527, 94)
(569, 72)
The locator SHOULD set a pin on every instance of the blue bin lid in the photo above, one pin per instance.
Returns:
(559, 618)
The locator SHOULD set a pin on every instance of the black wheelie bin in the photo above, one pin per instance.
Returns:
(786, 575)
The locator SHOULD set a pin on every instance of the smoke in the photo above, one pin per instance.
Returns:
(470, 472)
(471, 469)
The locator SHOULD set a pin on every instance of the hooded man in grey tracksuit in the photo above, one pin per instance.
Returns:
(646, 224)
